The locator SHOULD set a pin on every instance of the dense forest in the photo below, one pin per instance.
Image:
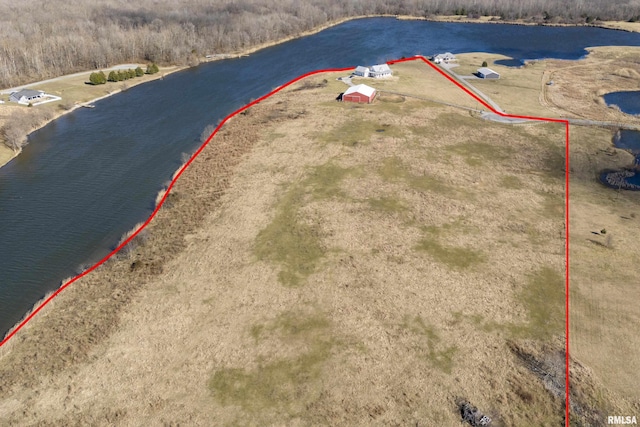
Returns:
(46, 38)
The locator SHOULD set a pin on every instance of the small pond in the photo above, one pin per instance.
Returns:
(628, 102)
(627, 179)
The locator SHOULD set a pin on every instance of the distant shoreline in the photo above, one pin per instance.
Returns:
(256, 48)
(630, 27)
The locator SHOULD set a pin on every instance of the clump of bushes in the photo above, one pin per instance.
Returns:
(122, 75)
(152, 68)
(98, 78)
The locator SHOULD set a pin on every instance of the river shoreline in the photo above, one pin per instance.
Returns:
(249, 50)
(170, 70)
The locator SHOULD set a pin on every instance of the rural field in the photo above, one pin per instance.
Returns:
(327, 263)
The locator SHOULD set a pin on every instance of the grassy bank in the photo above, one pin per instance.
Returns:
(496, 19)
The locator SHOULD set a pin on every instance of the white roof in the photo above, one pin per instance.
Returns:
(361, 68)
(362, 88)
(380, 68)
(485, 71)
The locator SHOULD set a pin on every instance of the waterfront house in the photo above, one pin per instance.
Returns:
(444, 57)
(487, 73)
(380, 71)
(360, 93)
(361, 71)
(26, 96)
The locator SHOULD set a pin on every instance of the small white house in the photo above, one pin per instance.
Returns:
(26, 96)
(487, 73)
(361, 71)
(380, 71)
(444, 57)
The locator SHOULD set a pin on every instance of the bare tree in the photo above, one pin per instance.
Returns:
(47, 38)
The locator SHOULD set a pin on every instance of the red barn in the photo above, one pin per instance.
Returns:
(359, 93)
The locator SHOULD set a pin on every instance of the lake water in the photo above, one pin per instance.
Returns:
(90, 176)
(628, 102)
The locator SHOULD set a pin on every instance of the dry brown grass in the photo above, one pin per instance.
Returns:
(622, 25)
(6, 154)
(578, 86)
(416, 78)
(604, 276)
(417, 281)
(518, 89)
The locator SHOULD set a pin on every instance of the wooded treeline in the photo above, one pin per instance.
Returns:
(48, 38)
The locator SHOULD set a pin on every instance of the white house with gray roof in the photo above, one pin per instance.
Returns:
(444, 57)
(26, 96)
(361, 71)
(380, 71)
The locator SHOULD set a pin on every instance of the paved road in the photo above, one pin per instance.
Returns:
(619, 125)
(82, 73)
(501, 119)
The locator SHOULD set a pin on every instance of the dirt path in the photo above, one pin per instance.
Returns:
(68, 76)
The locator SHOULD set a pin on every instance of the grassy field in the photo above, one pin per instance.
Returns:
(349, 273)
(604, 259)
(326, 263)
(6, 154)
(518, 89)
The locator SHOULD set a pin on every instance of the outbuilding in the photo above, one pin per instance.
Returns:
(487, 73)
(25, 96)
(361, 71)
(380, 71)
(360, 93)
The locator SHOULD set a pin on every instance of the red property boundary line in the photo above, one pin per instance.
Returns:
(278, 89)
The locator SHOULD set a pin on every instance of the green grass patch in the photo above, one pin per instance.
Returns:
(323, 182)
(477, 153)
(284, 385)
(289, 240)
(272, 136)
(386, 205)
(452, 256)
(358, 131)
(394, 170)
(544, 300)
(438, 356)
(511, 182)
(469, 120)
